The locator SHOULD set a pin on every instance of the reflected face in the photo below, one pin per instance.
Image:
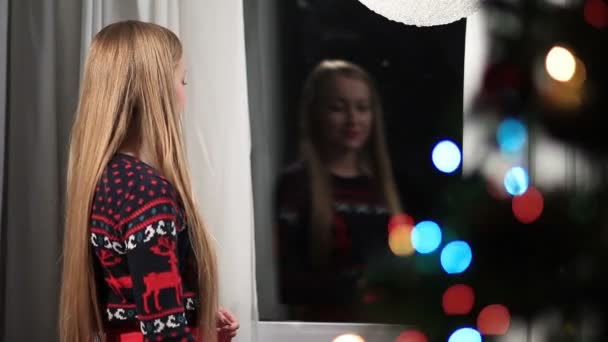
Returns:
(346, 114)
(180, 85)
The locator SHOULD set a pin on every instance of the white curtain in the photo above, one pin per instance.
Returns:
(217, 122)
(217, 126)
(98, 13)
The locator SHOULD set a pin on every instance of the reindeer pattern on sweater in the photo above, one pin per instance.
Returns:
(144, 262)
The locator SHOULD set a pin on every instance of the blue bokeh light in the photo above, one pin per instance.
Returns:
(446, 156)
(516, 181)
(456, 257)
(512, 135)
(465, 335)
(426, 237)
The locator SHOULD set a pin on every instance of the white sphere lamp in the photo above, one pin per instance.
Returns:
(423, 12)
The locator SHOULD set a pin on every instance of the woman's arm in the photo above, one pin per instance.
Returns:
(150, 234)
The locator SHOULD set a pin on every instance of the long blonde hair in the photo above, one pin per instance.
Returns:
(127, 92)
(374, 157)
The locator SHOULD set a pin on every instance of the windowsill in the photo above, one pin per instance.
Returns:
(313, 331)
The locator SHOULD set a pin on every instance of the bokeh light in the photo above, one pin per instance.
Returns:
(426, 237)
(446, 156)
(349, 338)
(596, 13)
(400, 220)
(494, 319)
(458, 300)
(511, 135)
(528, 206)
(516, 181)
(412, 336)
(560, 64)
(465, 335)
(580, 75)
(456, 257)
(563, 95)
(400, 242)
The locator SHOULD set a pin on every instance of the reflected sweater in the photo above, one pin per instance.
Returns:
(144, 263)
(359, 236)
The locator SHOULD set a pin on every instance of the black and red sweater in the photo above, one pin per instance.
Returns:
(143, 258)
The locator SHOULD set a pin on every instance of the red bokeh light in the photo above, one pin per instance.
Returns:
(400, 220)
(494, 320)
(458, 300)
(528, 207)
(412, 336)
(596, 13)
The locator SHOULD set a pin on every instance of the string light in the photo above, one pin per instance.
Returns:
(458, 300)
(494, 319)
(349, 338)
(596, 13)
(412, 336)
(426, 237)
(399, 241)
(456, 257)
(560, 64)
(516, 181)
(528, 206)
(465, 335)
(511, 135)
(446, 156)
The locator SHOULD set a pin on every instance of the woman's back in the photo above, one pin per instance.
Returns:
(142, 252)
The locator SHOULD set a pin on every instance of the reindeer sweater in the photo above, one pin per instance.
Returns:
(144, 263)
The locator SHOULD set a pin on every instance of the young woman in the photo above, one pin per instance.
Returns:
(138, 261)
(334, 204)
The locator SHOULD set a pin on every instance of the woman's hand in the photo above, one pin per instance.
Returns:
(227, 325)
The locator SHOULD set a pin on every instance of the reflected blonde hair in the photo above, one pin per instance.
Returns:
(374, 158)
(128, 92)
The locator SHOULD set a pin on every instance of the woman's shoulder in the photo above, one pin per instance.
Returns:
(129, 190)
(127, 182)
(127, 174)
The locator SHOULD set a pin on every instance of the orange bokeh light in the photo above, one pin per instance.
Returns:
(528, 207)
(458, 300)
(494, 319)
(399, 240)
(412, 336)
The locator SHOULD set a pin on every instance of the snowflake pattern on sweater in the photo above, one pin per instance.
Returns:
(144, 262)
